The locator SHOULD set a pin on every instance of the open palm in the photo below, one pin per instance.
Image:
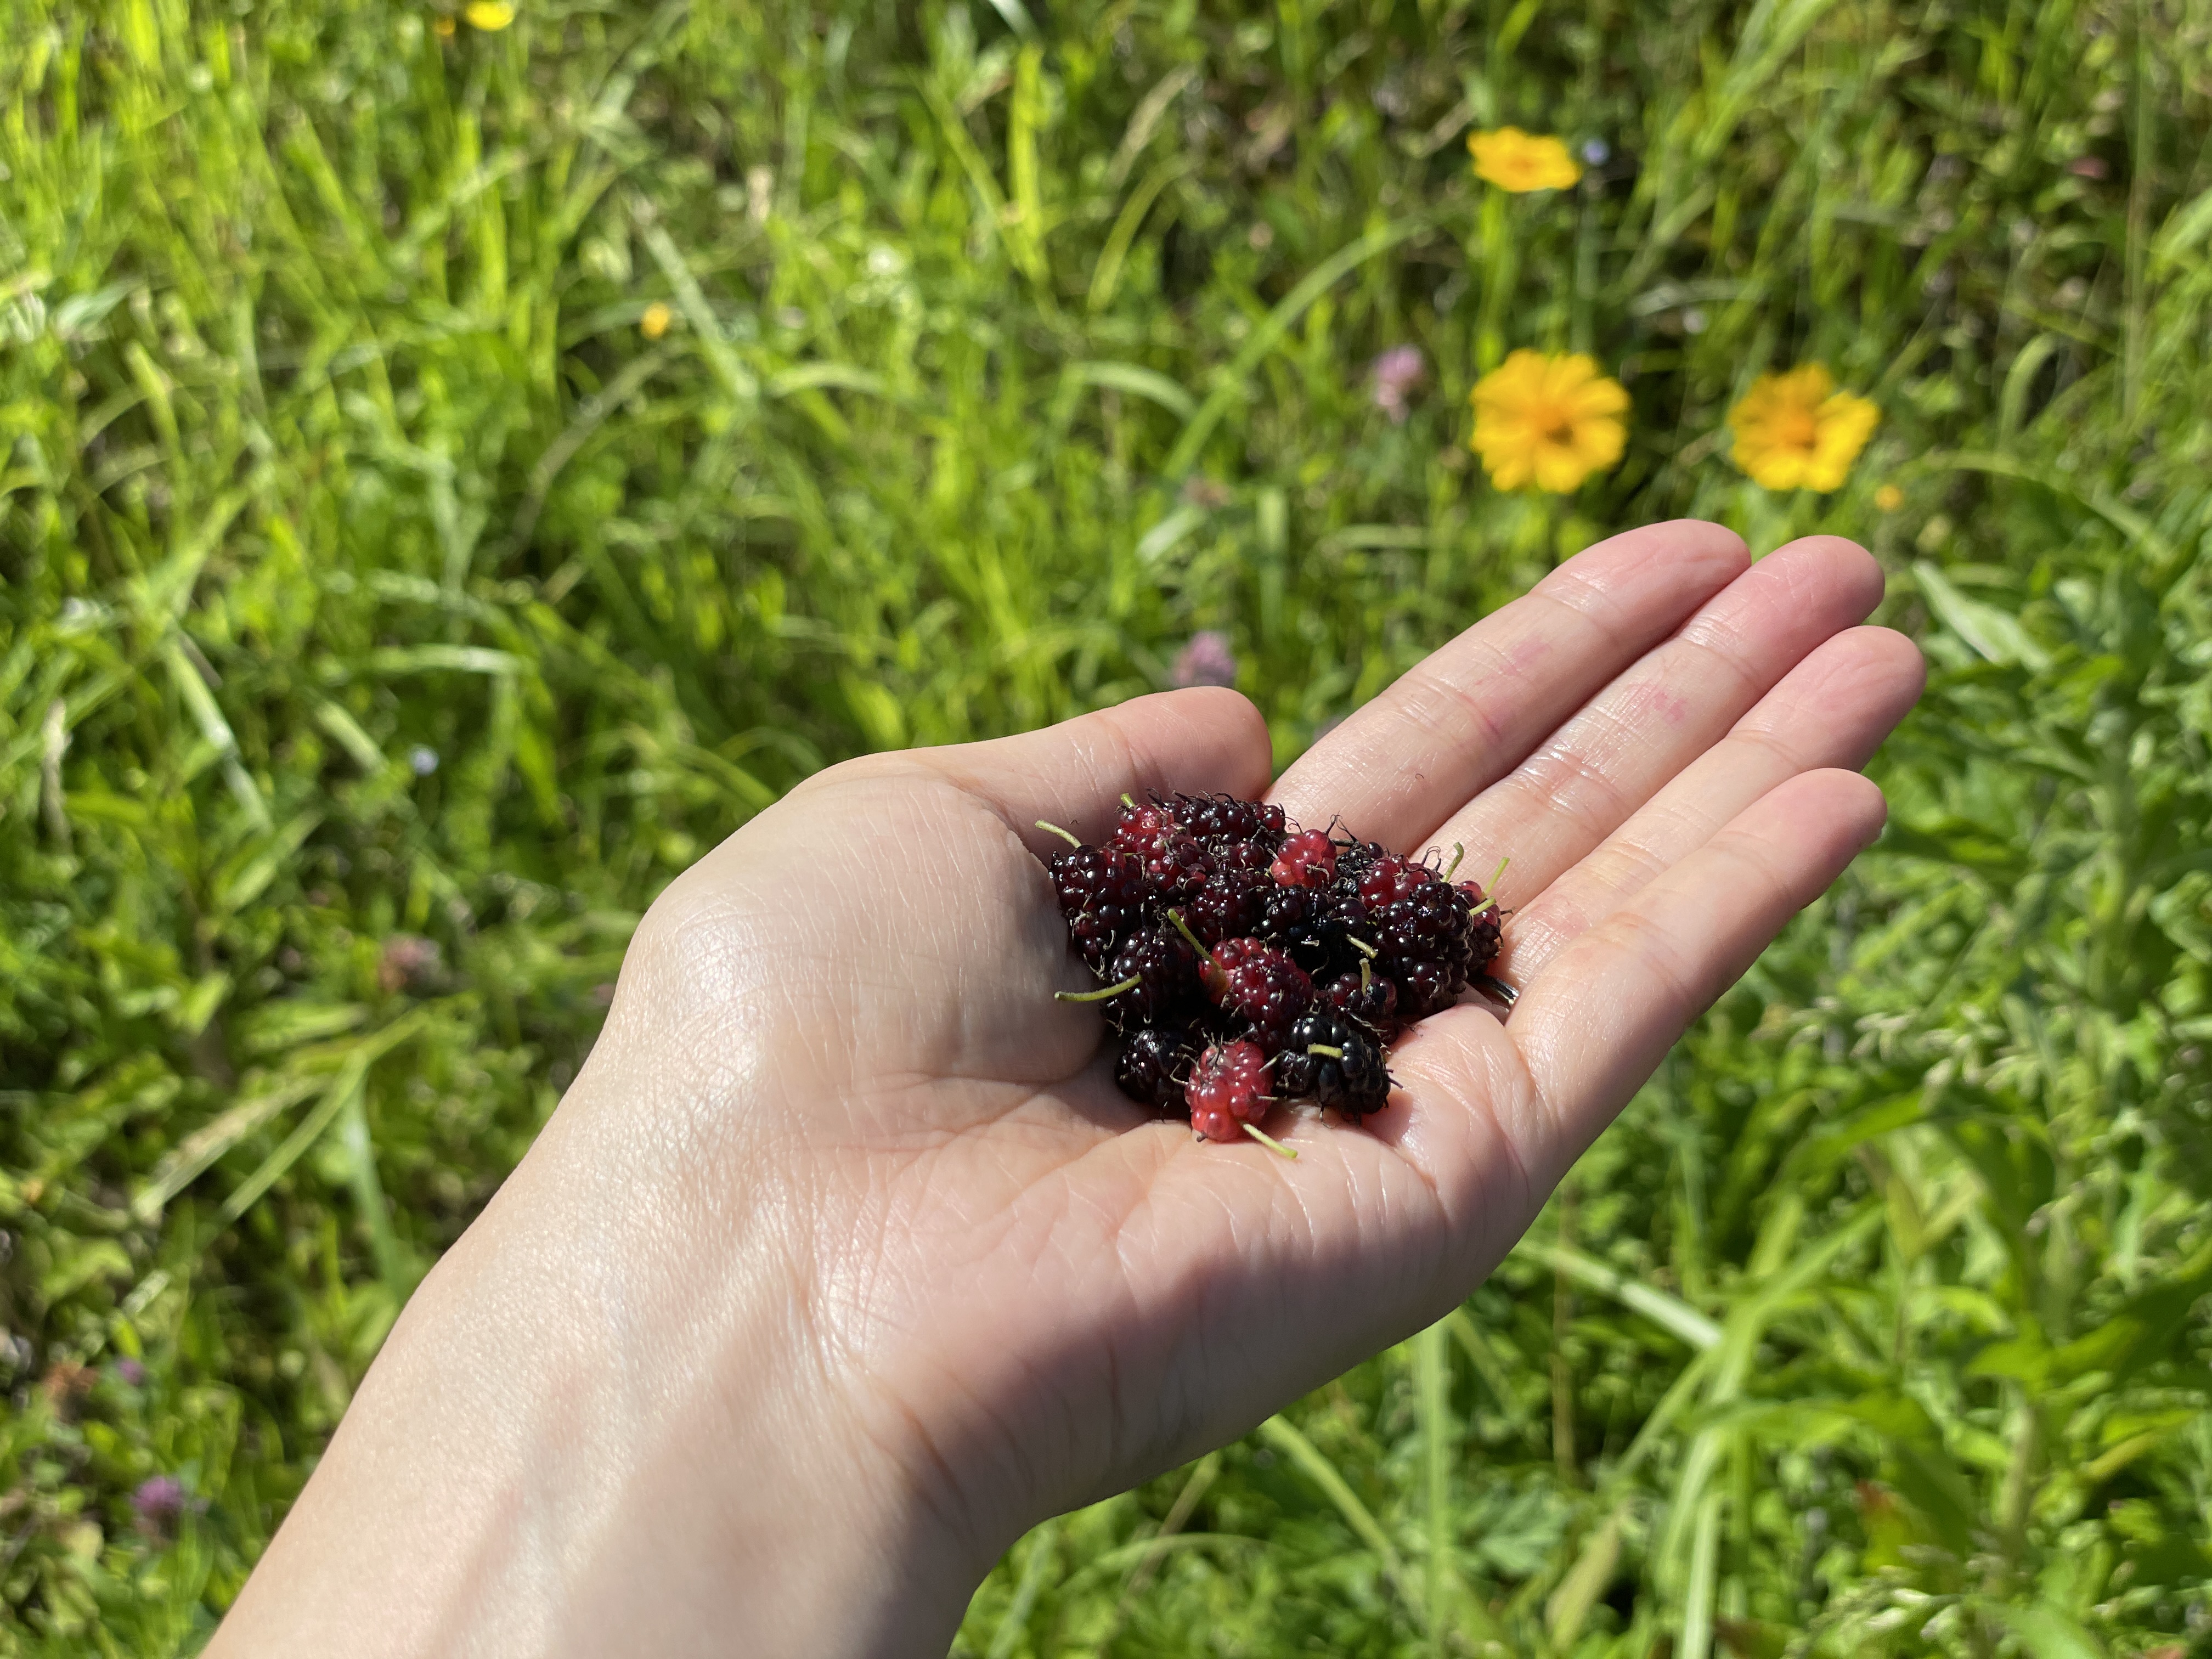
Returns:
(1067, 1294)
(844, 1260)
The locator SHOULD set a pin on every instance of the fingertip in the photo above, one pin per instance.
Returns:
(1865, 674)
(1866, 796)
(1215, 725)
(1844, 809)
(1905, 651)
(1857, 570)
(1682, 543)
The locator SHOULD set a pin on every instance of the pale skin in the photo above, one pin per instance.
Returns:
(843, 1262)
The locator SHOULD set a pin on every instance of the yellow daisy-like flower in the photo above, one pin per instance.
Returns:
(489, 15)
(1889, 498)
(1795, 431)
(1515, 160)
(1547, 420)
(655, 321)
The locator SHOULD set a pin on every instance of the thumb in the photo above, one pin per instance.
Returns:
(1075, 774)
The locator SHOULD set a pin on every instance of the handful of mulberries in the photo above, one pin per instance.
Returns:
(1244, 962)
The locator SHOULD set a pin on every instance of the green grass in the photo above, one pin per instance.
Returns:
(1013, 345)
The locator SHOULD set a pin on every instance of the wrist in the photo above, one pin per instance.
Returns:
(747, 1506)
(605, 1424)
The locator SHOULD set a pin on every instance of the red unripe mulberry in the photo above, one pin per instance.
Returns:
(1228, 1090)
(1308, 859)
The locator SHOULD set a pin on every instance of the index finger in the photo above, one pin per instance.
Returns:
(1471, 711)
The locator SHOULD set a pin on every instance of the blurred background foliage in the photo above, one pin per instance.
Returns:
(450, 476)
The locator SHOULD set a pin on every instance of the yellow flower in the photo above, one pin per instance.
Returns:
(442, 27)
(489, 15)
(655, 321)
(1517, 161)
(1552, 420)
(1889, 498)
(1795, 431)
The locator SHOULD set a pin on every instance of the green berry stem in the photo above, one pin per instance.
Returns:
(1270, 1142)
(1362, 947)
(1183, 927)
(1490, 893)
(1071, 839)
(1128, 984)
(1459, 851)
(1328, 1051)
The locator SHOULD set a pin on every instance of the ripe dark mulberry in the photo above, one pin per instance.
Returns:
(1288, 915)
(1332, 1060)
(1424, 988)
(1228, 909)
(1484, 927)
(1166, 972)
(1224, 818)
(1154, 1065)
(1177, 869)
(1367, 998)
(1102, 894)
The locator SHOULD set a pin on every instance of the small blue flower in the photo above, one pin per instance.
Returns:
(1596, 153)
(423, 759)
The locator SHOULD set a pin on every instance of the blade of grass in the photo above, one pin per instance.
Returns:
(196, 1152)
(1664, 1309)
(352, 1075)
(1698, 1596)
(1432, 1412)
(1044, 1548)
(1279, 1432)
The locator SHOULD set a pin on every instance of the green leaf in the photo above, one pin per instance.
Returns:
(2042, 1630)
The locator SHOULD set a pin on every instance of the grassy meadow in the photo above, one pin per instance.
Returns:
(450, 477)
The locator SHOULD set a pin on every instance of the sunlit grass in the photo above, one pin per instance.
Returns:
(451, 475)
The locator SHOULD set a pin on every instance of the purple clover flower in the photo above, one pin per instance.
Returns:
(1206, 660)
(1395, 374)
(159, 1500)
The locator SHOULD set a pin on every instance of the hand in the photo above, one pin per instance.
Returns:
(845, 1262)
